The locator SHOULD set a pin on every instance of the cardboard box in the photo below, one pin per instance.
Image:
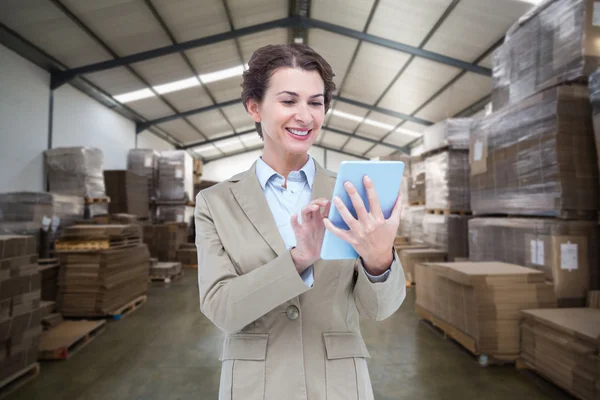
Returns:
(164, 240)
(566, 251)
(175, 176)
(144, 162)
(126, 190)
(415, 218)
(16, 246)
(537, 157)
(187, 256)
(562, 346)
(410, 257)
(448, 181)
(482, 301)
(449, 233)
(554, 43)
(594, 87)
(75, 171)
(453, 133)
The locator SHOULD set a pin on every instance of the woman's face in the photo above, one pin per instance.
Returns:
(292, 110)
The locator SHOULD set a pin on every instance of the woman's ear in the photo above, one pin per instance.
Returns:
(253, 109)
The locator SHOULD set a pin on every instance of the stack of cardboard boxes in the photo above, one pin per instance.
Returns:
(535, 154)
(20, 310)
(164, 240)
(447, 199)
(188, 255)
(562, 345)
(479, 304)
(103, 267)
(144, 162)
(126, 191)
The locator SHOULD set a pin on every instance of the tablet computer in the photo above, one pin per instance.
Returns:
(386, 176)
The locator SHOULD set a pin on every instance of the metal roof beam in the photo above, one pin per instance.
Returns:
(289, 22)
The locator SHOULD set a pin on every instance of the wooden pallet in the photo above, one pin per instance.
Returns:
(67, 338)
(74, 245)
(463, 339)
(190, 266)
(166, 279)
(97, 200)
(19, 379)
(128, 308)
(449, 212)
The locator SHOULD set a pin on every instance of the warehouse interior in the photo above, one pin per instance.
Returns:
(115, 114)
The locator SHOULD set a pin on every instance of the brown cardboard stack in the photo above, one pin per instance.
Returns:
(188, 254)
(76, 171)
(448, 181)
(449, 233)
(410, 257)
(164, 240)
(562, 345)
(593, 299)
(20, 310)
(39, 214)
(594, 87)
(103, 267)
(198, 169)
(566, 251)
(144, 162)
(126, 191)
(553, 43)
(537, 157)
(482, 301)
(404, 227)
(165, 270)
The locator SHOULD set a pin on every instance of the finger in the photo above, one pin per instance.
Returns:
(357, 201)
(340, 233)
(307, 212)
(374, 205)
(345, 214)
(397, 210)
(294, 222)
(326, 209)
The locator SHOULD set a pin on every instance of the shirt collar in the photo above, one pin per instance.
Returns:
(264, 172)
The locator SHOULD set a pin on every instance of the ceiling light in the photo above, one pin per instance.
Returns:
(181, 84)
(133, 96)
(299, 40)
(223, 74)
(204, 149)
(407, 132)
(178, 85)
(228, 142)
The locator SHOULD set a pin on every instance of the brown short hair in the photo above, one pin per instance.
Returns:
(267, 59)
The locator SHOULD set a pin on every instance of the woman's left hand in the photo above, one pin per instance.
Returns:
(371, 235)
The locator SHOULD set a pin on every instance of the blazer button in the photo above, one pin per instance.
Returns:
(293, 312)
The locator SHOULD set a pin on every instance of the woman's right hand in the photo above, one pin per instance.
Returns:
(309, 233)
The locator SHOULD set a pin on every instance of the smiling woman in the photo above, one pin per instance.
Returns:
(291, 319)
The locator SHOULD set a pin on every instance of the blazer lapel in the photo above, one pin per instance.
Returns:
(323, 183)
(252, 200)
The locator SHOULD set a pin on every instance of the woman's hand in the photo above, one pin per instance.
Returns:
(371, 235)
(309, 234)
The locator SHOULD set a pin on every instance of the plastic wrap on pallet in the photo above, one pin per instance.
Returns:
(536, 157)
(144, 162)
(96, 209)
(594, 87)
(174, 213)
(453, 132)
(447, 183)
(552, 44)
(176, 178)
(76, 171)
(448, 233)
(415, 216)
(567, 251)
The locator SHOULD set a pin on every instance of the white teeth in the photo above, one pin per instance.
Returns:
(299, 133)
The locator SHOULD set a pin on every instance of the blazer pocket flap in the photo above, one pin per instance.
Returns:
(345, 345)
(245, 347)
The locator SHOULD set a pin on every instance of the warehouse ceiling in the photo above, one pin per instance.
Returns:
(175, 66)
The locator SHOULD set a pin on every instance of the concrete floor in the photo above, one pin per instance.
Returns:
(168, 350)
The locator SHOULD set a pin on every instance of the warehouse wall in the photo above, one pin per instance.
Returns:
(81, 121)
(147, 140)
(24, 104)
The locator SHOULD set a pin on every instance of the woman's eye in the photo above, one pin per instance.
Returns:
(317, 104)
(288, 102)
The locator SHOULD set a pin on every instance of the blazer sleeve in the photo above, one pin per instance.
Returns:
(232, 301)
(380, 300)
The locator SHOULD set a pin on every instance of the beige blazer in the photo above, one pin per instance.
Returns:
(284, 340)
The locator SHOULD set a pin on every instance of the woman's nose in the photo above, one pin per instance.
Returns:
(303, 114)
